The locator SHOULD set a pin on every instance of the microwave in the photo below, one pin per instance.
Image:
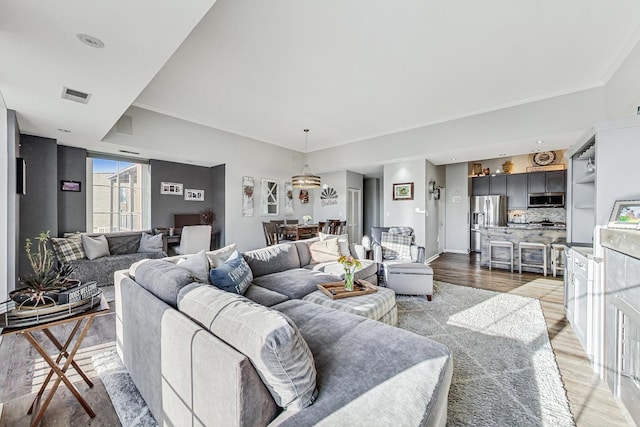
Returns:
(546, 200)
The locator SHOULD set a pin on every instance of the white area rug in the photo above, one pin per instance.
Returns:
(131, 408)
(504, 369)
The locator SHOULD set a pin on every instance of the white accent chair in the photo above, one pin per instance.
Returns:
(194, 238)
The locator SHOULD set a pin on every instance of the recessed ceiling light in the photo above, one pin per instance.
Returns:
(453, 158)
(90, 40)
(502, 154)
(64, 130)
(539, 142)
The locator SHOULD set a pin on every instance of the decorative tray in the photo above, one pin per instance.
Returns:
(13, 317)
(335, 290)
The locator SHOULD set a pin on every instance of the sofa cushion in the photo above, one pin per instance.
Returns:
(101, 270)
(123, 242)
(264, 296)
(302, 246)
(232, 276)
(407, 380)
(163, 279)
(219, 256)
(197, 265)
(95, 247)
(396, 246)
(269, 339)
(343, 241)
(325, 251)
(68, 248)
(150, 243)
(294, 283)
(272, 259)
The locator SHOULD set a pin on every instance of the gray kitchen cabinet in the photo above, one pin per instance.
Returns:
(481, 186)
(498, 185)
(517, 196)
(537, 182)
(556, 181)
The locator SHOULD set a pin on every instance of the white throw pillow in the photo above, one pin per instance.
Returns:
(343, 241)
(219, 256)
(95, 247)
(325, 251)
(150, 242)
(197, 265)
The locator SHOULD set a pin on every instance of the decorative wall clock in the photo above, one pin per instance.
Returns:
(544, 158)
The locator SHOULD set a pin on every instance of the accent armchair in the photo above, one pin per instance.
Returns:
(395, 246)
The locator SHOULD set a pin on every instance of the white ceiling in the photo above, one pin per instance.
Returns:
(348, 70)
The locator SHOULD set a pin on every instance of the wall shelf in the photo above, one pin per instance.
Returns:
(586, 179)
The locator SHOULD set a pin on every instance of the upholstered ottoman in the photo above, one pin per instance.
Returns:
(380, 306)
(409, 278)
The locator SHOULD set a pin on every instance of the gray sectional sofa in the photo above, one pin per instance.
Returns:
(183, 345)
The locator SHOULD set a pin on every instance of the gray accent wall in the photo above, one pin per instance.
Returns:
(39, 207)
(72, 166)
(218, 182)
(371, 196)
(164, 206)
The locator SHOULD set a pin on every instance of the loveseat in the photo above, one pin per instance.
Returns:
(123, 251)
(183, 344)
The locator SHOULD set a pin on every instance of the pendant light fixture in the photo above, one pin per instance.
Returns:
(306, 179)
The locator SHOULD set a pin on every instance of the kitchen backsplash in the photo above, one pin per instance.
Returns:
(537, 214)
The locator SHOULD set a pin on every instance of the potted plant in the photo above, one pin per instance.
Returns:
(47, 279)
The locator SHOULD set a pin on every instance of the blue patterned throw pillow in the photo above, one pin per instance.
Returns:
(233, 276)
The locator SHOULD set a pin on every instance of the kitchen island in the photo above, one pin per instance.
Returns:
(517, 234)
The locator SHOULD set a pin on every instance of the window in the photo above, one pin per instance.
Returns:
(119, 195)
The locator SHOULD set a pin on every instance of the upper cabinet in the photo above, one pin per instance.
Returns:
(547, 182)
(481, 186)
(517, 191)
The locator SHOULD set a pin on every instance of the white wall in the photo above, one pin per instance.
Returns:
(457, 208)
(402, 212)
(622, 93)
(156, 135)
(331, 208)
(6, 245)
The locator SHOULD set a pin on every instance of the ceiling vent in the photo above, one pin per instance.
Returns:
(129, 152)
(75, 95)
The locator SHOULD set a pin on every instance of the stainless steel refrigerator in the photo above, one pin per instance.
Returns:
(486, 211)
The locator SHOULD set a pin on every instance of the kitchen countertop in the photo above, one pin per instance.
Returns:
(533, 227)
(582, 249)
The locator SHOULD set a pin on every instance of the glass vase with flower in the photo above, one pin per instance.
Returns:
(350, 264)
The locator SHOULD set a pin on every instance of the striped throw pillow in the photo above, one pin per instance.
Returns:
(396, 246)
(68, 248)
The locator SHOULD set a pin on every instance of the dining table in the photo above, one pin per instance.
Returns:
(298, 231)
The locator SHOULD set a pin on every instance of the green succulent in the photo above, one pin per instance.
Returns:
(47, 276)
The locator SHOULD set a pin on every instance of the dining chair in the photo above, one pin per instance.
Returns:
(279, 227)
(194, 238)
(270, 233)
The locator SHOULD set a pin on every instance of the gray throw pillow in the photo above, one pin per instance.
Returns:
(197, 265)
(219, 256)
(232, 276)
(163, 279)
(150, 243)
(268, 338)
(95, 247)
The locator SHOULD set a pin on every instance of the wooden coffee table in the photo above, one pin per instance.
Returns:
(58, 369)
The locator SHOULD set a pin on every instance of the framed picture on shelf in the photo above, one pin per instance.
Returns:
(403, 191)
(625, 214)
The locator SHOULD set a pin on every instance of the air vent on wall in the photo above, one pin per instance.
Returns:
(75, 95)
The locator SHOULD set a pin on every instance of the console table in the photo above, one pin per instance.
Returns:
(58, 369)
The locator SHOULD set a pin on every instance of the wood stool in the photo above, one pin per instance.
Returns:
(557, 252)
(533, 245)
(500, 244)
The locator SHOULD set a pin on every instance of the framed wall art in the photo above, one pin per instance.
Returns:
(625, 214)
(288, 198)
(403, 191)
(270, 199)
(75, 186)
(247, 196)
(194, 195)
(172, 188)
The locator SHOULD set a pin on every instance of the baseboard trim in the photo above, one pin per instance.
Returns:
(436, 256)
(456, 251)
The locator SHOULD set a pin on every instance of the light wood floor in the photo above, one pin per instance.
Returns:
(591, 402)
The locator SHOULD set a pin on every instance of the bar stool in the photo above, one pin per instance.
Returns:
(500, 244)
(533, 246)
(557, 252)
